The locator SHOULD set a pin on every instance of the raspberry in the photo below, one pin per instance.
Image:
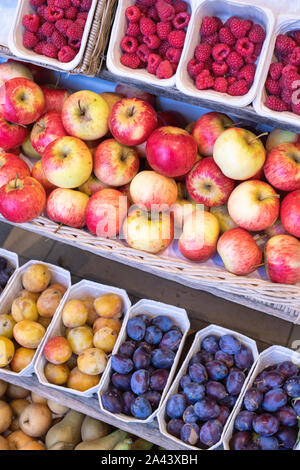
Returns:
(38, 49)
(71, 13)
(74, 43)
(37, 3)
(289, 68)
(194, 67)
(58, 40)
(51, 3)
(31, 22)
(143, 53)
(163, 48)
(148, 3)
(40, 35)
(53, 14)
(276, 104)
(284, 45)
(258, 48)
(239, 27)
(231, 80)
(75, 31)
(165, 11)
(41, 11)
(62, 26)
(83, 14)
(226, 36)
(220, 85)
(212, 40)
(286, 96)
(66, 54)
(250, 59)
(153, 41)
(30, 40)
(130, 60)
(219, 69)
(181, 20)
(176, 38)
(220, 52)
(133, 29)
(152, 14)
(164, 70)
(147, 26)
(238, 88)
(235, 61)
(82, 22)
(62, 3)
(180, 6)
(76, 3)
(163, 29)
(286, 60)
(296, 108)
(297, 37)
(294, 57)
(173, 55)
(85, 5)
(273, 86)
(257, 34)
(153, 62)
(48, 29)
(290, 80)
(244, 47)
(50, 50)
(142, 8)
(204, 80)
(275, 70)
(210, 25)
(133, 14)
(129, 44)
(203, 52)
(247, 73)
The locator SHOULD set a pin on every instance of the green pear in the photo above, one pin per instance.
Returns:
(67, 430)
(141, 444)
(104, 443)
(125, 444)
(92, 429)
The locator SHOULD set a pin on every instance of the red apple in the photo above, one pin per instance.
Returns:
(54, 98)
(114, 163)
(282, 167)
(22, 200)
(290, 213)
(260, 175)
(151, 191)
(133, 92)
(67, 207)
(39, 175)
(254, 205)
(170, 118)
(15, 151)
(13, 69)
(92, 185)
(11, 135)
(207, 129)
(171, 151)
(281, 136)
(239, 251)
(105, 212)
(46, 129)
(12, 166)
(131, 121)
(207, 185)
(282, 259)
(21, 101)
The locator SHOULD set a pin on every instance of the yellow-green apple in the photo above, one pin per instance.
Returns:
(254, 205)
(183, 206)
(151, 191)
(281, 136)
(13, 69)
(131, 121)
(28, 150)
(198, 241)
(85, 115)
(171, 151)
(290, 213)
(111, 98)
(39, 175)
(282, 259)
(92, 185)
(222, 214)
(207, 185)
(133, 92)
(239, 251)
(105, 212)
(170, 118)
(114, 163)
(46, 129)
(207, 129)
(67, 162)
(239, 153)
(11, 135)
(54, 98)
(21, 101)
(276, 229)
(67, 207)
(282, 167)
(22, 200)
(12, 166)
(148, 231)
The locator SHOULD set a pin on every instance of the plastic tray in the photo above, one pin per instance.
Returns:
(153, 309)
(78, 291)
(224, 10)
(270, 356)
(212, 329)
(58, 275)
(15, 40)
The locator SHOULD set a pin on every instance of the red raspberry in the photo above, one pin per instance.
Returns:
(37, 3)
(66, 54)
(152, 13)
(244, 47)
(133, 14)
(129, 44)
(51, 3)
(208, 64)
(294, 57)
(226, 36)
(58, 40)
(258, 48)
(273, 86)
(228, 22)
(219, 69)
(142, 8)
(231, 80)
(85, 5)
(30, 40)
(284, 45)
(276, 104)
(53, 14)
(173, 55)
(76, 3)
(133, 29)
(239, 27)
(40, 34)
(71, 13)
(165, 11)
(275, 70)
(83, 14)
(31, 22)
(220, 85)
(50, 50)
(296, 105)
(238, 88)
(209, 25)
(204, 80)
(180, 6)
(153, 62)
(48, 29)
(75, 31)
(203, 52)
(181, 20)
(194, 67)
(286, 96)
(163, 48)
(130, 60)
(163, 29)
(257, 34)
(235, 61)
(289, 68)
(82, 22)
(212, 40)
(164, 70)
(147, 26)
(153, 41)
(143, 53)
(220, 52)
(176, 38)
(297, 37)
(62, 3)
(38, 49)
(41, 11)
(250, 59)
(290, 80)
(147, 3)
(247, 73)
(63, 25)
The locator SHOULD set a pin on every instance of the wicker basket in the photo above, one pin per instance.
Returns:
(96, 44)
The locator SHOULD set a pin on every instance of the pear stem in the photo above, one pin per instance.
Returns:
(258, 137)
(58, 228)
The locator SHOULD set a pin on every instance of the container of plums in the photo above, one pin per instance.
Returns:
(27, 308)
(139, 374)
(9, 262)
(203, 397)
(85, 332)
(267, 414)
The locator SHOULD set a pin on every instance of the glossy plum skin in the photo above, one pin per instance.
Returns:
(136, 328)
(229, 344)
(171, 340)
(174, 427)
(197, 373)
(176, 405)
(163, 322)
(190, 433)
(244, 420)
(113, 401)
(210, 344)
(121, 364)
(140, 381)
(141, 408)
(153, 334)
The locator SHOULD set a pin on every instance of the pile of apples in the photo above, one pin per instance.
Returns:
(115, 165)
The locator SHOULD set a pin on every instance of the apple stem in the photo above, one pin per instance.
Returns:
(271, 195)
(58, 228)
(258, 137)
(80, 109)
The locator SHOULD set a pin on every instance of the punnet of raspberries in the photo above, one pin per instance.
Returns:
(283, 82)
(56, 27)
(225, 60)
(155, 36)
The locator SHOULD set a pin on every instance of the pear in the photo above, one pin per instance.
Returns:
(141, 444)
(67, 430)
(92, 429)
(61, 446)
(125, 444)
(104, 443)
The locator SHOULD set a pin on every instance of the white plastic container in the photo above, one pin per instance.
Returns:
(15, 40)
(225, 10)
(114, 51)
(153, 309)
(58, 275)
(285, 24)
(78, 291)
(13, 261)
(195, 348)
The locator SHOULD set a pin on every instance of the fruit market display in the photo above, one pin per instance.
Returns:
(208, 391)
(6, 271)
(24, 326)
(269, 415)
(78, 358)
(141, 367)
